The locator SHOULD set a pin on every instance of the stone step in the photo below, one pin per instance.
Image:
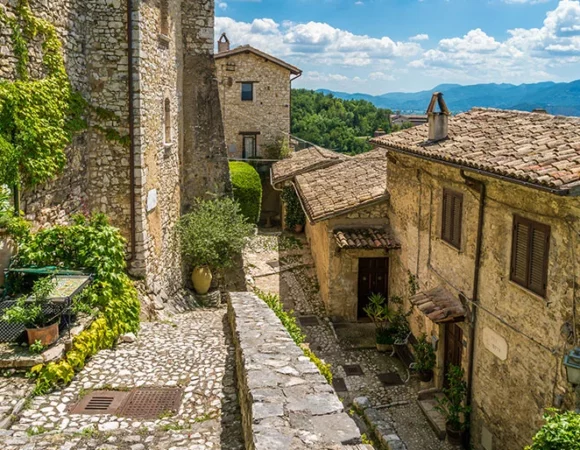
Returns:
(435, 418)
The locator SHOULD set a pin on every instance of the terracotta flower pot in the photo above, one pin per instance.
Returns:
(201, 278)
(298, 228)
(425, 375)
(47, 335)
(384, 348)
(453, 436)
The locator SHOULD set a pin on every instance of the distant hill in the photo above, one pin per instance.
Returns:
(556, 98)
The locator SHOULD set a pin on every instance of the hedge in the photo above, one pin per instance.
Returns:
(247, 188)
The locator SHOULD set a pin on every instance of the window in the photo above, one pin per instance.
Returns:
(249, 147)
(247, 92)
(530, 246)
(164, 17)
(167, 121)
(452, 217)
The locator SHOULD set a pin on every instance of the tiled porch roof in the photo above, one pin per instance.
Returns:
(439, 305)
(365, 238)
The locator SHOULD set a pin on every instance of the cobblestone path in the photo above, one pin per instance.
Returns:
(283, 264)
(191, 351)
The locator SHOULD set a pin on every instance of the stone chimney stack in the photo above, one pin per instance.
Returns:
(438, 121)
(223, 44)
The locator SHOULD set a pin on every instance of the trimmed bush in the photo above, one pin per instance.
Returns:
(247, 188)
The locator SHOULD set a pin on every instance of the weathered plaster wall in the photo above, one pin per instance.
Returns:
(337, 270)
(268, 113)
(510, 394)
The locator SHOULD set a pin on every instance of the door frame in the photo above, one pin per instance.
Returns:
(387, 280)
(458, 339)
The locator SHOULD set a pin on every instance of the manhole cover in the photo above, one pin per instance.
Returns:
(100, 402)
(308, 321)
(339, 385)
(352, 370)
(390, 379)
(151, 403)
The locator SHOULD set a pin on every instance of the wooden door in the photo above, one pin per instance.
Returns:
(453, 347)
(373, 276)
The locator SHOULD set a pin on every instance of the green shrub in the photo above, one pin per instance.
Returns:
(213, 233)
(247, 188)
(294, 213)
(96, 247)
(289, 321)
(560, 432)
(30, 313)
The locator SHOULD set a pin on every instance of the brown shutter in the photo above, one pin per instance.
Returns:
(446, 219)
(539, 259)
(452, 217)
(457, 218)
(520, 251)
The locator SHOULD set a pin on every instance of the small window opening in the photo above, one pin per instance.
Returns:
(164, 19)
(247, 92)
(167, 121)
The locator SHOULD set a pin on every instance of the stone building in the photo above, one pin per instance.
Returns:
(345, 201)
(255, 98)
(485, 207)
(149, 65)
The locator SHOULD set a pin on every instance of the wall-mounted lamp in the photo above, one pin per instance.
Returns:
(572, 364)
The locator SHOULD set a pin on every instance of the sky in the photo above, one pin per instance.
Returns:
(380, 46)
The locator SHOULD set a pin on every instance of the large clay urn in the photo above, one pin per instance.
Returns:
(201, 278)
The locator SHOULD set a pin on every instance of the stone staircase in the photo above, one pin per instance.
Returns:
(427, 402)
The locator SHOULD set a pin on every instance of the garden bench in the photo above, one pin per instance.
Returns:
(401, 349)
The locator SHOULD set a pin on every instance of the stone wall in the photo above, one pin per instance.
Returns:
(519, 345)
(268, 114)
(337, 270)
(286, 403)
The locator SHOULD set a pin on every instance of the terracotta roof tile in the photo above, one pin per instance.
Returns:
(365, 238)
(311, 158)
(539, 148)
(357, 182)
(439, 305)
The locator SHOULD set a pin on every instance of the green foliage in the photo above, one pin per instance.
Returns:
(247, 188)
(452, 404)
(289, 321)
(14, 226)
(560, 432)
(37, 117)
(213, 233)
(424, 354)
(341, 125)
(90, 244)
(294, 212)
(278, 150)
(28, 312)
(36, 348)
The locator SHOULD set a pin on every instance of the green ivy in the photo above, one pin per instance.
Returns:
(560, 432)
(294, 213)
(289, 321)
(90, 244)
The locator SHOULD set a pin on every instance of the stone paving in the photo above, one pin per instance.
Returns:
(192, 351)
(294, 278)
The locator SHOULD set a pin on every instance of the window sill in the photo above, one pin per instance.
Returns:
(167, 149)
(459, 251)
(528, 292)
(164, 39)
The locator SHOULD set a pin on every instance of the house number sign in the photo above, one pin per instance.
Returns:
(495, 343)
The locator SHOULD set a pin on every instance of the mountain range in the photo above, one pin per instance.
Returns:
(556, 98)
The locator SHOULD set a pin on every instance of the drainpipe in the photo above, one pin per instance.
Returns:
(131, 86)
(479, 186)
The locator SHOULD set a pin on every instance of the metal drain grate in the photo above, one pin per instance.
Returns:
(100, 402)
(339, 385)
(390, 379)
(151, 403)
(352, 370)
(308, 321)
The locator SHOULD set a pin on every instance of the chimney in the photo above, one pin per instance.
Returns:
(540, 111)
(438, 121)
(223, 44)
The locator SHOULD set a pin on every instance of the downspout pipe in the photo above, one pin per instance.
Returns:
(131, 86)
(481, 188)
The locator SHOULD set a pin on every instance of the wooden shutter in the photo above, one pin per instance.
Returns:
(530, 249)
(452, 217)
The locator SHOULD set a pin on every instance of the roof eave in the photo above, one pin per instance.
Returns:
(342, 212)
(563, 192)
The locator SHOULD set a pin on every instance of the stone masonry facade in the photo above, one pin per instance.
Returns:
(267, 116)
(178, 146)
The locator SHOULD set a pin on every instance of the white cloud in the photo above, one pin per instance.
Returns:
(223, 6)
(419, 37)
(381, 76)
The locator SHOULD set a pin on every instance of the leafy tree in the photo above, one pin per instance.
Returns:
(341, 125)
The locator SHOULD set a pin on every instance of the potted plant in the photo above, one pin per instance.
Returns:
(399, 322)
(452, 405)
(29, 311)
(210, 237)
(294, 217)
(379, 313)
(424, 358)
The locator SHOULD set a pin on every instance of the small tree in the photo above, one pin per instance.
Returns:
(560, 432)
(213, 233)
(452, 403)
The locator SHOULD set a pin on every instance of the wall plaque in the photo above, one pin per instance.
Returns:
(151, 200)
(495, 343)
